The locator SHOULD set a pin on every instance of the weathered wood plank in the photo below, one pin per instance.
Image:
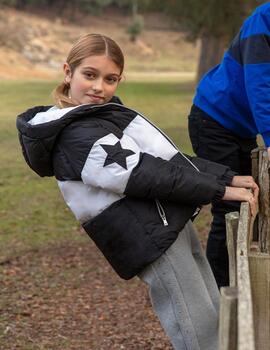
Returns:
(255, 173)
(232, 220)
(255, 163)
(228, 319)
(245, 328)
(259, 264)
(264, 217)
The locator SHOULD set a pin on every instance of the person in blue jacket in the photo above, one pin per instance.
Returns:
(230, 108)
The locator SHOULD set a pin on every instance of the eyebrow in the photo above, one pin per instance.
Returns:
(96, 70)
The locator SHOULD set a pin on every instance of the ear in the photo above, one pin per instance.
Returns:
(67, 72)
(122, 78)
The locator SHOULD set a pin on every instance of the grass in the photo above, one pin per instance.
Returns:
(32, 211)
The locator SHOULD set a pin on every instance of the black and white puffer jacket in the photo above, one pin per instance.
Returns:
(124, 180)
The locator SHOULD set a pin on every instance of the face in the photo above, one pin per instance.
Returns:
(94, 81)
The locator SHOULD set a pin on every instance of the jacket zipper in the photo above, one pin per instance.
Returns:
(161, 212)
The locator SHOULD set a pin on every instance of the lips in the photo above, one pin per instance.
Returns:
(96, 98)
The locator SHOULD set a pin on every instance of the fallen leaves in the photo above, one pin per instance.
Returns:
(68, 297)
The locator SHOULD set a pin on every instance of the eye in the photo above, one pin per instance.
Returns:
(112, 80)
(89, 75)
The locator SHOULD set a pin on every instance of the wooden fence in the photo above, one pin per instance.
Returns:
(245, 305)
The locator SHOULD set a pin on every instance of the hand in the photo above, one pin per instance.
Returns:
(242, 195)
(243, 181)
(246, 182)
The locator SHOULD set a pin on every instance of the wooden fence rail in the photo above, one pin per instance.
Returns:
(245, 305)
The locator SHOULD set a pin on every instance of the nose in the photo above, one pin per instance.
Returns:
(98, 85)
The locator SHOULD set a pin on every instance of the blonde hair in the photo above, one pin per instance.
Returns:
(87, 45)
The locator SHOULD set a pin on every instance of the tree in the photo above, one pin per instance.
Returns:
(136, 26)
(213, 21)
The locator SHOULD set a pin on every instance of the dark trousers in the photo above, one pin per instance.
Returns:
(212, 141)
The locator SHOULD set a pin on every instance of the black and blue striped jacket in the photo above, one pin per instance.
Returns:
(236, 93)
(124, 180)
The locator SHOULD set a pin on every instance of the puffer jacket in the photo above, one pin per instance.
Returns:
(124, 180)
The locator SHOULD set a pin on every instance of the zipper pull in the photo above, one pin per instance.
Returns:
(161, 212)
(198, 209)
(165, 222)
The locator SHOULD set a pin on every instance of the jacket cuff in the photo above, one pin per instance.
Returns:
(228, 177)
(219, 193)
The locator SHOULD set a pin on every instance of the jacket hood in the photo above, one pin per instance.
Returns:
(39, 128)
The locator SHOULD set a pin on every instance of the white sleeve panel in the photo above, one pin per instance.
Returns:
(50, 115)
(112, 177)
(149, 139)
(86, 202)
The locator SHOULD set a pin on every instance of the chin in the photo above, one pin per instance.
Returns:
(94, 102)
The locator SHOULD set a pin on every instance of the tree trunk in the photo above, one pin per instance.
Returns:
(211, 52)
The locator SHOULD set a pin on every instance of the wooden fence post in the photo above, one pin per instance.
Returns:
(249, 264)
(264, 217)
(245, 329)
(232, 220)
(228, 319)
(259, 260)
(260, 284)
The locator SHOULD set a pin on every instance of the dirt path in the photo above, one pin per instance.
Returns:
(69, 298)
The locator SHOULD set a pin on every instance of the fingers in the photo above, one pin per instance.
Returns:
(237, 194)
(256, 192)
(253, 205)
(253, 208)
(252, 199)
(243, 195)
(250, 183)
(244, 181)
(244, 189)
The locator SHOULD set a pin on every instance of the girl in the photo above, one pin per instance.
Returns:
(131, 189)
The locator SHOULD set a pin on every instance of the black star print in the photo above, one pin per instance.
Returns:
(116, 154)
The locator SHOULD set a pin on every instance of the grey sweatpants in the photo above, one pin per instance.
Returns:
(184, 294)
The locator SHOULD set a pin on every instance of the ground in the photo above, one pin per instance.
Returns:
(68, 297)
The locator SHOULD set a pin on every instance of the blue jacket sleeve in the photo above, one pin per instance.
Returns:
(255, 54)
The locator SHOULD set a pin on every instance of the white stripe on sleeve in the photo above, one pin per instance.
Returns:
(149, 139)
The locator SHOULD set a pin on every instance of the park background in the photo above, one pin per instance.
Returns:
(56, 289)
